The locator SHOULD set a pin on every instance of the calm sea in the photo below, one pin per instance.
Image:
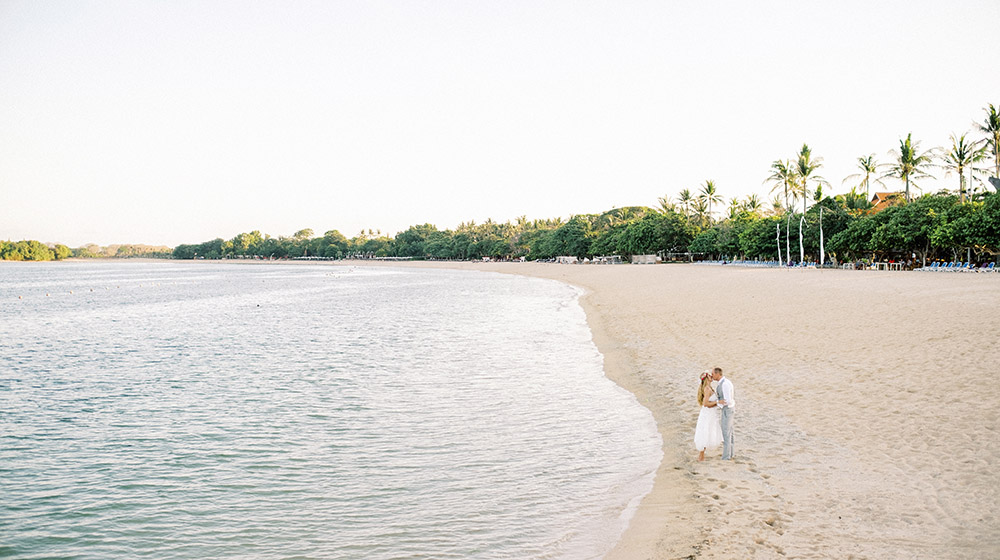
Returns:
(200, 410)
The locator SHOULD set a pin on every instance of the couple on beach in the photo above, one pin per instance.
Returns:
(715, 421)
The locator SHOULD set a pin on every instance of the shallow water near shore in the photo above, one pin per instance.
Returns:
(195, 410)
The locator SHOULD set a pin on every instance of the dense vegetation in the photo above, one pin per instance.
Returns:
(123, 251)
(799, 224)
(934, 225)
(37, 251)
(32, 251)
(946, 224)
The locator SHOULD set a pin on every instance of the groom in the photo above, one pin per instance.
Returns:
(727, 401)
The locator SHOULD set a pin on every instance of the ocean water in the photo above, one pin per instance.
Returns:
(201, 410)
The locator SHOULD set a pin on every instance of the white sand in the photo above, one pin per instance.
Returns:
(867, 412)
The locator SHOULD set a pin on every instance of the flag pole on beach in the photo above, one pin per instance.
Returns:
(777, 237)
(822, 256)
(802, 249)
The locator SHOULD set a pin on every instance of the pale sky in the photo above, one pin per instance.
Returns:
(168, 122)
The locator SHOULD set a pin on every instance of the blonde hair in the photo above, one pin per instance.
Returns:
(705, 383)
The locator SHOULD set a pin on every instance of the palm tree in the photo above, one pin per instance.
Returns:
(753, 204)
(991, 126)
(853, 200)
(868, 166)
(805, 170)
(962, 155)
(908, 164)
(685, 199)
(735, 207)
(710, 196)
(776, 206)
(666, 205)
(783, 176)
(700, 208)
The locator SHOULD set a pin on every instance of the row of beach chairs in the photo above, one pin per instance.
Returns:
(960, 267)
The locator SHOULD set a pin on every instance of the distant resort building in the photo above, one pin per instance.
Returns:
(883, 200)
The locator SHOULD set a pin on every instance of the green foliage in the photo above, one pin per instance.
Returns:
(835, 219)
(650, 234)
(62, 252)
(973, 224)
(705, 242)
(991, 127)
(572, 238)
(757, 239)
(333, 244)
(909, 228)
(27, 250)
(413, 242)
(805, 171)
(851, 230)
(909, 163)
(207, 250)
(855, 240)
(87, 252)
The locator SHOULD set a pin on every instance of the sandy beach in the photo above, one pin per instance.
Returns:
(866, 418)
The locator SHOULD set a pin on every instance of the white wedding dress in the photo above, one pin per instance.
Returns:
(708, 431)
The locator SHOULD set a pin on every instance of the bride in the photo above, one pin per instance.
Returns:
(708, 431)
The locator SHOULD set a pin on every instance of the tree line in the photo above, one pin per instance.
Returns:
(842, 227)
(31, 250)
(800, 223)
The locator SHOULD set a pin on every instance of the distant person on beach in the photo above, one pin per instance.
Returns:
(708, 431)
(727, 401)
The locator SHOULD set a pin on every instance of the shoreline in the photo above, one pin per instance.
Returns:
(854, 436)
(860, 428)
(661, 526)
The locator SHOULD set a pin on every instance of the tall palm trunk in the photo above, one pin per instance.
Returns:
(961, 183)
